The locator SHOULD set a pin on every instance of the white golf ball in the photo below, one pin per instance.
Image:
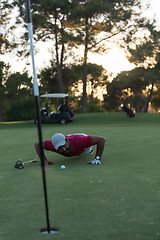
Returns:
(63, 167)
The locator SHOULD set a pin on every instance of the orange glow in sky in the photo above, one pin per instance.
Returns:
(114, 61)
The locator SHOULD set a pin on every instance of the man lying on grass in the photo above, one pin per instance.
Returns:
(73, 145)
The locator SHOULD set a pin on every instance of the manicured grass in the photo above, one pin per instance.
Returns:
(118, 200)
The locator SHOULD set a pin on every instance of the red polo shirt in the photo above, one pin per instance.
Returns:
(78, 144)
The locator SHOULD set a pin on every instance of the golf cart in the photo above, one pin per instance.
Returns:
(62, 115)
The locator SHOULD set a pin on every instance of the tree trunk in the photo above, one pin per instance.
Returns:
(84, 98)
(91, 97)
(62, 55)
(148, 99)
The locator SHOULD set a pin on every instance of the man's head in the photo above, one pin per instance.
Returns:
(60, 143)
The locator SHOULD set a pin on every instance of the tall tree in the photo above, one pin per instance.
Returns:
(4, 73)
(128, 87)
(145, 53)
(50, 23)
(15, 91)
(47, 77)
(112, 18)
(86, 23)
(18, 86)
(5, 16)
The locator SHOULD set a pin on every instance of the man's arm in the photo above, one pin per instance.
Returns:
(100, 142)
(37, 147)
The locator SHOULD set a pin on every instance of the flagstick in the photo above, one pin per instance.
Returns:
(36, 95)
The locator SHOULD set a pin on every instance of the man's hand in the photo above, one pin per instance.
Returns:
(46, 163)
(94, 161)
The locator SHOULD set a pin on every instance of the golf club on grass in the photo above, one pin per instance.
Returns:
(19, 164)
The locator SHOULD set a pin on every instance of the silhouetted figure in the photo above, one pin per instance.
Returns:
(128, 110)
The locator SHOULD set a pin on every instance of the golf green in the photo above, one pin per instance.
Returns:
(117, 200)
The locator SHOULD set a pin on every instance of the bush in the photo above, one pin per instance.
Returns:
(92, 107)
(18, 111)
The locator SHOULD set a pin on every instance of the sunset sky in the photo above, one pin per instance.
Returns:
(114, 61)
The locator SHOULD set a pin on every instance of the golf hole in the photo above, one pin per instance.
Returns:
(51, 231)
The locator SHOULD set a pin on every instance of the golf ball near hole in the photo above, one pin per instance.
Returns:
(63, 167)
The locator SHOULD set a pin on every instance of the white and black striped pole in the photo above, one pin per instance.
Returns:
(36, 95)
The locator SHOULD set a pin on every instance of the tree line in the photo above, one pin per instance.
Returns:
(87, 25)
